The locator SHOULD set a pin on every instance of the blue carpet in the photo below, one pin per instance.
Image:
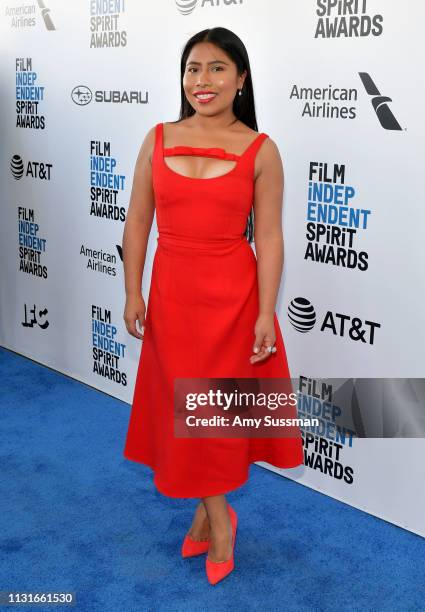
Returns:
(77, 516)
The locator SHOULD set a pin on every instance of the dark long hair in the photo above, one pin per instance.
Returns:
(243, 105)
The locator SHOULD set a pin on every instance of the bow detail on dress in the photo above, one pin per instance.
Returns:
(207, 151)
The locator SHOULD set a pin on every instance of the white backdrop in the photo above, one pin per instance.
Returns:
(72, 276)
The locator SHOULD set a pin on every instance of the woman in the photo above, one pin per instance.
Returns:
(211, 308)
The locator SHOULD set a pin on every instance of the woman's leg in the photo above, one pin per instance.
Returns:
(200, 529)
(220, 548)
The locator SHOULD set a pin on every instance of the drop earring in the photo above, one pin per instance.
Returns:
(240, 91)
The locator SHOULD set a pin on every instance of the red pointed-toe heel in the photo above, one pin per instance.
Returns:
(217, 570)
(191, 548)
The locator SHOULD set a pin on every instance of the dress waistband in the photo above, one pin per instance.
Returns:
(180, 242)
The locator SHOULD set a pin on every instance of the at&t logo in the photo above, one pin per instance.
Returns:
(36, 170)
(302, 316)
(186, 7)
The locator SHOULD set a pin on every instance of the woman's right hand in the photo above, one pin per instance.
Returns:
(135, 310)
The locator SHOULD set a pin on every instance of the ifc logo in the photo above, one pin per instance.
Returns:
(17, 167)
(185, 7)
(302, 315)
(81, 95)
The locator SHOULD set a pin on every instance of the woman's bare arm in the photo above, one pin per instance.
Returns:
(137, 228)
(268, 237)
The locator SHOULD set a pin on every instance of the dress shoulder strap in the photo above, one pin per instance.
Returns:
(247, 160)
(252, 149)
(157, 149)
(159, 134)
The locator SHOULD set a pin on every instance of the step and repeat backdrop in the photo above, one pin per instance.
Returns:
(337, 87)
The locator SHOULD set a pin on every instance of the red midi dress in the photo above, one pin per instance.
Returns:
(200, 317)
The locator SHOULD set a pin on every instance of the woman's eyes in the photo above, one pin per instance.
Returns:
(214, 67)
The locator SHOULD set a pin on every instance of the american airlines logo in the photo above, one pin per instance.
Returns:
(380, 104)
(45, 13)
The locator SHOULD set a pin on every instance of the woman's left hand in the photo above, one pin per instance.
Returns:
(265, 336)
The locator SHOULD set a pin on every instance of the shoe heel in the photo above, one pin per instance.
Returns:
(217, 570)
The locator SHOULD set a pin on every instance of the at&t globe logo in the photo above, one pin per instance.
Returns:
(185, 7)
(17, 167)
(302, 315)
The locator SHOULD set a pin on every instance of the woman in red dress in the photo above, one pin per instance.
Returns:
(211, 305)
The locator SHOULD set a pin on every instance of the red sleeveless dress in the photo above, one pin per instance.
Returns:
(200, 317)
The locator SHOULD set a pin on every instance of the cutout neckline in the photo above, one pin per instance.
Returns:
(217, 152)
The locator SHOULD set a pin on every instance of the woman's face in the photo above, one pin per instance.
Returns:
(210, 69)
